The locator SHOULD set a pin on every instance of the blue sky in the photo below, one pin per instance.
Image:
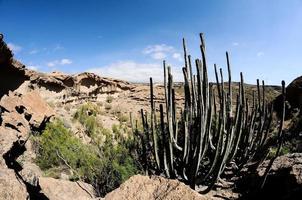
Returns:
(129, 39)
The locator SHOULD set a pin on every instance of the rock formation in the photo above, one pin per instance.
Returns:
(284, 180)
(293, 97)
(154, 187)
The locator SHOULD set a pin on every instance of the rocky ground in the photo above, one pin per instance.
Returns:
(29, 99)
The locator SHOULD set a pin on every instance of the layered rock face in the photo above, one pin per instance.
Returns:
(57, 86)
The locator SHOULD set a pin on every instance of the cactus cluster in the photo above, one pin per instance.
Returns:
(210, 134)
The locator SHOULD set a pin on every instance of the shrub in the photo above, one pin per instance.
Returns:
(284, 150)
(86, 115)
(58, 147)
(104, 167)
(109, 99)
(123, 118)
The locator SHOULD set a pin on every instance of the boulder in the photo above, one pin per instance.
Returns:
(56, 189)
(286, 168)
(284, 180)
(10, 187)
(293, 98)
(25, 111)
(140, 187)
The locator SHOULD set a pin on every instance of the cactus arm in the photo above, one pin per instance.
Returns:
(154, 134)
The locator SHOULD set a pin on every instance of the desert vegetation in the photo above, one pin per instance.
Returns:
(105, 162)
(212, 135)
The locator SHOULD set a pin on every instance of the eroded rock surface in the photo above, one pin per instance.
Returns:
(141, 187)
(284, 180)
(285, 173)
(293, 98)
(10, 187)
(56, 189)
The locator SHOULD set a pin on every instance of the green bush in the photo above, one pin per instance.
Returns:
(104, 167)
(86, 115)
(284, 150)
(123, 118)
(58, 147)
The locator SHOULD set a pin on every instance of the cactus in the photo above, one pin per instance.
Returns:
(210, 133)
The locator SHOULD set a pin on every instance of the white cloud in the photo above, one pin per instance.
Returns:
(63, 61)
(260, 54)
(162, 51)
(157, 48)
(177, 56)
(135, 72)
(235, 44)
(158, 55)
(14, 47)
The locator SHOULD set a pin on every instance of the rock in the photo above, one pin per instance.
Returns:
(293, 97)
(25, 111)
(21, 113)
(10, 187)
(287, 168)
(56, 189)
(141, 187)
(284, 180)
(31, 173)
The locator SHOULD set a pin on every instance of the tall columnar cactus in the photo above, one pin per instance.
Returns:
(209, 134)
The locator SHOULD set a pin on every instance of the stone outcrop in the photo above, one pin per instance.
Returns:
(141, 187)
(21, 114)
(284, 180)
(293, 98)
(286, 171)
(10, 187)
(61, 87)
(56, 189)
